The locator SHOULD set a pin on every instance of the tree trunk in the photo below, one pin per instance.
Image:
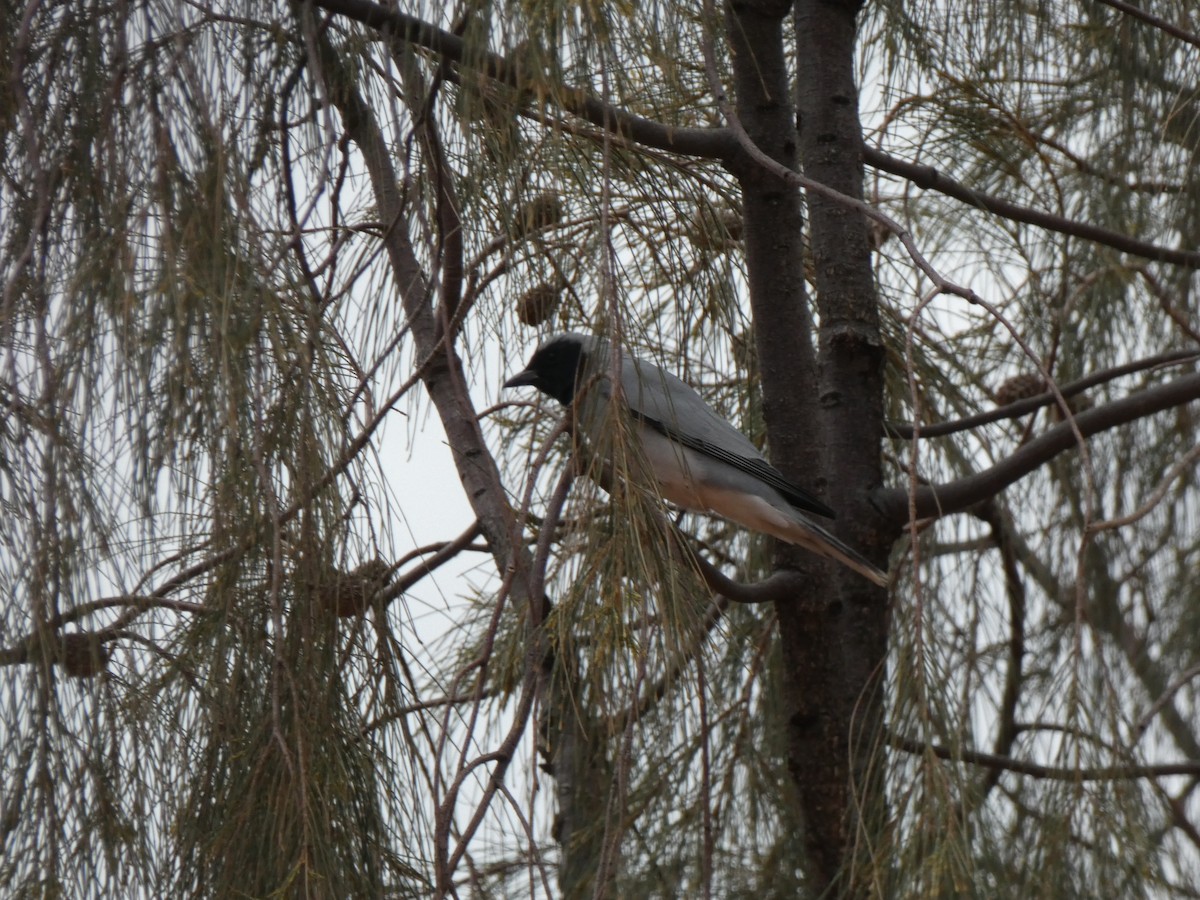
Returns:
(851, 399)
(833, 640)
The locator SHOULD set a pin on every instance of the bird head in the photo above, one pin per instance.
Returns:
(555, 366)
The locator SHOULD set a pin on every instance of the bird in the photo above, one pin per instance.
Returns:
(699, 460)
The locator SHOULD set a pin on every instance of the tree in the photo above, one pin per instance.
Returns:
(243, 244)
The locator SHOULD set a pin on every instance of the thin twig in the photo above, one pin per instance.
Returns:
(1172, 689)
(1182, 465)
(930, 178)
(1150, 19)
(904, 430)
(1039, 771)
(938, 500)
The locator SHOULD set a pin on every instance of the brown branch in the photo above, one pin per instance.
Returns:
(1184, 465)
(442, 372)
(502, 757)
(670, 677)
(1037, 770)
(707, 143)
(137, 603)
(723, 143)
(537, 665)
(441, 555)
(1006, 730)
(411, 708)
(783, 585)
(1176, 315)
(445, 381)
(939, 500)
(1091, 170)
(296, 236)
(448, 253)
(1161, 24)
(1155, 708)
(904, 430)
(930, 178)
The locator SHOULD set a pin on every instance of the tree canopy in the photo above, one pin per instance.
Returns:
(265, 269)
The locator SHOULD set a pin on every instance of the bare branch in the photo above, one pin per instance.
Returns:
(1161, 24)
(1175, 314)
(932, 179)
(1184, 464)
(1144, 722)
(443, 376)
(1006, 730)
(707, 143)
(938, 500)
(670, 676)
(904, 430)
(445, 381)
(411, 708)
(723, 143)
(782, 585)
(1049, 773)
(441, 554)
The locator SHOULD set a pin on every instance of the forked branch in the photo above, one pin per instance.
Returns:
(935, 500)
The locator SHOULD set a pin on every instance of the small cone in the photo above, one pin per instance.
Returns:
(349, 594)
(1020, 387)
(82, 655)
(538, 303)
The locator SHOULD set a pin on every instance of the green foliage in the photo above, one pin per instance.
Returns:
(205, 324)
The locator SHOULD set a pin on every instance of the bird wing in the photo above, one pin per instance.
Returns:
(670, 406)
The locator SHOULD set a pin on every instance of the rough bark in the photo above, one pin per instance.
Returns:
(833, 639)
(813, 624)
(851, 399)
(443, 376)
(575, 756)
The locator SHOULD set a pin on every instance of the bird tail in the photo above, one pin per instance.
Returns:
(765, 510)
(813, 537)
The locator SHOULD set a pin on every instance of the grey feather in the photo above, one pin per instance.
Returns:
(700, 460)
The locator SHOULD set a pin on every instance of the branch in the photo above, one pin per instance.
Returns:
(1161, 24)
(708, 143)
(784, 585)
(408, 710)
(671, 675)
(932, 179)
(723, 143)
(1176, 315)
(443, 377)
(1148, 716)
(136, 603)
(446, 384)
(448, 254)
(904, 430)
(1184, 465)
(1006, 730)
(441, 554)
(939, 500)
(1037, 770)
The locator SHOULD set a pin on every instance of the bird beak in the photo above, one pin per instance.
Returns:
(523, 378)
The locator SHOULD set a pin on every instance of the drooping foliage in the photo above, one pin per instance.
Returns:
(265, 268)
